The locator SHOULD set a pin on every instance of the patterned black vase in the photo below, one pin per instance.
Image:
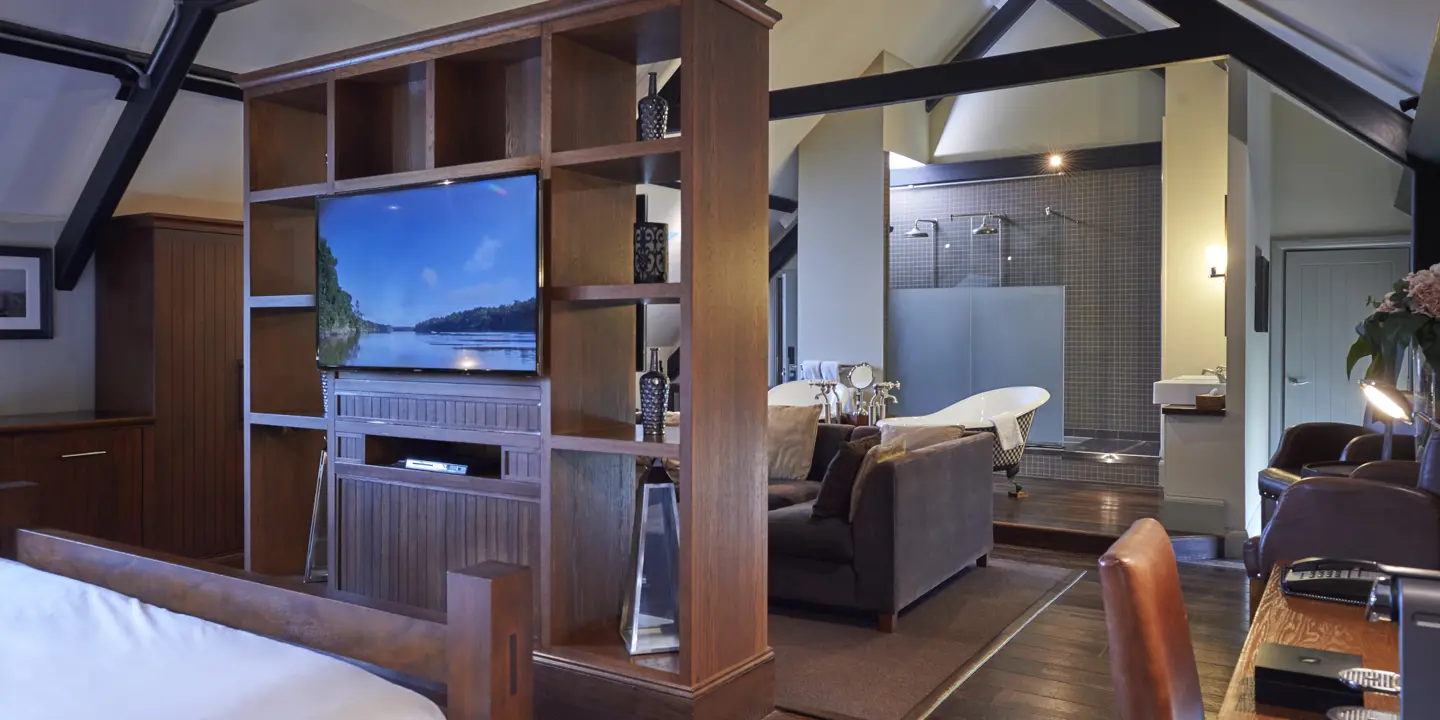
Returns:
(652, 246)
(654, 387)
(654, 114)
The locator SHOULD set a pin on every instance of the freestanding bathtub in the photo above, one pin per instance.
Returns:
(974, 413)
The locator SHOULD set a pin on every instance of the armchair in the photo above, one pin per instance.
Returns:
(1346, 517)
(1308, 444)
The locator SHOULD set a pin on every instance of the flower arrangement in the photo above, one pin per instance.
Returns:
(1408, 316)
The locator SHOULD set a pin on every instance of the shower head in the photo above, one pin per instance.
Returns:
(916, 232)
(985, 227)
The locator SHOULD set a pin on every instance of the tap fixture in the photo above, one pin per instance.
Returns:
(1218, 371)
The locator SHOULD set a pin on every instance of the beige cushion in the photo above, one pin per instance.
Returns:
(922, 436)
(878, 454)
(790, 440)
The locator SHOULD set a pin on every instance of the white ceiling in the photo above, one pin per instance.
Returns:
(53, 121)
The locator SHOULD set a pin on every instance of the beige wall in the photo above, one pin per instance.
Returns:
(1091, 112)
(1327, 184)
(42, 376)
(1192, 303)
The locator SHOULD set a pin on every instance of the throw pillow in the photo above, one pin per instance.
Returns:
(839, 480)
(876, 455)
(790, 440)
(922, 436)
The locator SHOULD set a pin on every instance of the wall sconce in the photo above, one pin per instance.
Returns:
(1215, 258)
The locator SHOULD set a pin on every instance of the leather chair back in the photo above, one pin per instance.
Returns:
(1152, 663)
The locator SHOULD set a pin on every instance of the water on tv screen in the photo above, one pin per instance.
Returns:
(442, 277)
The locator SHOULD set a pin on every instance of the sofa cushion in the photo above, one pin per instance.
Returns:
(874, 456)
(921, 436)
(790, 440)
(784, 493)
(827, 442)
(793, 533)
(839, 480)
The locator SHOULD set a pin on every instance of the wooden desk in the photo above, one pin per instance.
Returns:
(1311, 624)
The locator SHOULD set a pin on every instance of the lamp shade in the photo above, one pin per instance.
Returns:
(1387, 400)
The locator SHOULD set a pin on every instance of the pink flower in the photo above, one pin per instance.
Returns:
(1425, 293)
(1388, 304)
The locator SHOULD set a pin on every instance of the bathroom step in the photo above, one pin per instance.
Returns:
(1187, 546)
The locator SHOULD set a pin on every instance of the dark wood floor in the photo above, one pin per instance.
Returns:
(1071, 505)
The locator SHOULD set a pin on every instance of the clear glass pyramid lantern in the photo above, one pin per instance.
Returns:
(649, 619)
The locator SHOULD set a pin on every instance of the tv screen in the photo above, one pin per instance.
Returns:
(441, 277)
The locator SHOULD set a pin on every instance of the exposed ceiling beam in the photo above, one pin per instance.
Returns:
(996, 24)
(127, 66)
(1096, 18)
(1325, 91)
(1425, 134)
(784, 249)
(189, 24)
(777, 203)
(1019, 166)
(1032, 67)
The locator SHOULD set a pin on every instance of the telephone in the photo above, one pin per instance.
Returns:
(1346, 581)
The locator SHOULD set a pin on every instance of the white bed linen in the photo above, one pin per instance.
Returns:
(73, 651)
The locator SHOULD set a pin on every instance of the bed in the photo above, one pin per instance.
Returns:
(94, 629)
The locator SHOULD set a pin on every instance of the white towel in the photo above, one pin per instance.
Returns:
(830, 370)
(1007, 430)
(810, 370)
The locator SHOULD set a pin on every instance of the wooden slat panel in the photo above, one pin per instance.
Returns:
(281, 495)
(413, 535)
(435, 411)
(90, 480)
(352, 447)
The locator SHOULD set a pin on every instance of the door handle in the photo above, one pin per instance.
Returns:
(1297, 382)
(84, 454)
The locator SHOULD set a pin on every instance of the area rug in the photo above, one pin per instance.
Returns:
(839, 667)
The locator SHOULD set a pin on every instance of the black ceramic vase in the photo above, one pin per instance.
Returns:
(652, 246)
(654, 389)
(654, 113)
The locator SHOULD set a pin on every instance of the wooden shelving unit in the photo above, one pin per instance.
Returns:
(551, 88)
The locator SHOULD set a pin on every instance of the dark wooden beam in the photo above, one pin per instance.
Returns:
(124, 65)
(1102, 158)
(1096, 18)
(1065, 62)
(131, 138)
(1363, 115)
(782, 252)
(984, 38)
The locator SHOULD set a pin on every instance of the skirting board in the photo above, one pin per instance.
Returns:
(1205, 516)
(563, 692)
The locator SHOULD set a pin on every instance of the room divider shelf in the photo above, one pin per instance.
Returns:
(656, 294)
(487, 168)
(292, 192)
(618, 440)
(275, 302)
(288, 420)
(642, 161)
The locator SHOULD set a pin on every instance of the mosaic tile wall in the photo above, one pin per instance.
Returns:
(1101, 241)
(1050, 465)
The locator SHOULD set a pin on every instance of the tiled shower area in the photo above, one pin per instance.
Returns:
(1085, 245)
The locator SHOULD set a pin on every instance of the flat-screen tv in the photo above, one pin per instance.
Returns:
(440, 277)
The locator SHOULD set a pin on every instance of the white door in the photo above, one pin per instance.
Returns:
(1325, 293)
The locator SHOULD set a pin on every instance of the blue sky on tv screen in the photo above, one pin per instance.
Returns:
(411, 255)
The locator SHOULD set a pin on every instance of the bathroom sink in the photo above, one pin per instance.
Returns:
(1183, 389)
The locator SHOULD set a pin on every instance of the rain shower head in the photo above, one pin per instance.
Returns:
(985, 227)
(916, 232)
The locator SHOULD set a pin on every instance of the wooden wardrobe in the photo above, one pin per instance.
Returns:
(169, 337)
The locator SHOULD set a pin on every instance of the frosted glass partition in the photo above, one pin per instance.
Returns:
(946, 344)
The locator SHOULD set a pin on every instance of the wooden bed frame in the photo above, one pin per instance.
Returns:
(478, 666)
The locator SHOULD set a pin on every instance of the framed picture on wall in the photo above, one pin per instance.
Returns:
(27, 291)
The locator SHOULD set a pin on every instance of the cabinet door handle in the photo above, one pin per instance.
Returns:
(84, 454)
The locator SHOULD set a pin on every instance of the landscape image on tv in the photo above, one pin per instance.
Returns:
(441, 278)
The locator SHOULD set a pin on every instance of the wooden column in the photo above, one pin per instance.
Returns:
(491, 642)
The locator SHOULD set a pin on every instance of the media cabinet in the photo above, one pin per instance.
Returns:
(549, 87)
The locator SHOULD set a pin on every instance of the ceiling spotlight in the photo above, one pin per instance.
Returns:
(1057, 160)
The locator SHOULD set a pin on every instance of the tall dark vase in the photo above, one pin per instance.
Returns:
(652, 246)
(654, 390)
(654, 113)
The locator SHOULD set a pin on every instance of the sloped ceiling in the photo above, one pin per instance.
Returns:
(53, 121)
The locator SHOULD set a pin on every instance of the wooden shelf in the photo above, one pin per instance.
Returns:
(267, 302)
(655, 294)
(638, 38)
(643, 161)
(611, 657)
(619, 440)
(288, 420)
(441, 174)
(294, 192)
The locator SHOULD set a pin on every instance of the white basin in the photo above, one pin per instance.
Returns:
(1183, 389)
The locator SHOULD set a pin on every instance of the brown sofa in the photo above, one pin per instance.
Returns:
(1341, 447)
(922, 519)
